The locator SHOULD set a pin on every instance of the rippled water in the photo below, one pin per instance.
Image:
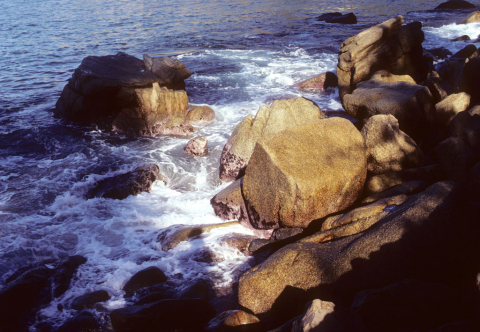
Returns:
(241, 54)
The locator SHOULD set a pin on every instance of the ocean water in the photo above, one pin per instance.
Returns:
(242, 53)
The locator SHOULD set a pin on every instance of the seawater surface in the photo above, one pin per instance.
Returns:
(241, 54)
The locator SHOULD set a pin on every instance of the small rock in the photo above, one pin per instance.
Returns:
(320, 82)
(238, 241)
(171, 236)
(349, 18)
(328, 16)
(199, 115)
(124, 185)
(471, 18)
(200, 289)
(172, 71)
(439, 88)
(147, 277)
(88, 300)
(228, 204)
(461, 38)
(64, 274)
(197, 146)
(440, 52)
(230, 319)
(455, 4)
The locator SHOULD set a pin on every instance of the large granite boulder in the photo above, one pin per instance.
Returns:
(304, 173)
(281, 115)
(411, 104)
(389, 148)
(451, 106)
(388, 46)
(470, 80)
(124, 93)
(432, 236)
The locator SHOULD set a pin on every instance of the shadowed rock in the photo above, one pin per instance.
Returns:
(319, 82)
(90, 299)
(163, 316)
(147, 277)
(405, 188)
(389, 148)
(304, 173)
(425, 239)
(283, 114)
(378, 183)
(451, 106)
(124, 185)
(471, 18)
(349, 18)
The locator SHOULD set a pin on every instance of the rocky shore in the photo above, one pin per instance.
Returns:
(364, 225)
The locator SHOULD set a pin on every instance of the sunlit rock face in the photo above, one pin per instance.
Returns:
(128, 95)
(281, 115)
(386, 46)
(304, 173)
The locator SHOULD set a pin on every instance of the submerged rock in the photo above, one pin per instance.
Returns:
(304, 173)
(386, 46)
(197, 146)
(349, 18)
(283, 114)
(147, 277)
(90, 299)
(455, 4)
(124, 185)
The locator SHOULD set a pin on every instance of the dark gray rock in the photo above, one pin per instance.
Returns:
(83, 322)
(124, 185)
(465, 52)
(165, 315)
(349, 18)
(64, 274)
(455, 4)
(328, 16)
(147, 277)
(88, 300)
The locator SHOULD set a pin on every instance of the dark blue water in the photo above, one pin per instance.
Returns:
(241, 54)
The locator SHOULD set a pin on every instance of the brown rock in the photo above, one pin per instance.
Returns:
(389, 148)
(172, 71)
(283, 114)
(199, 115)
(405, 188)
(470, 80)
(412, 105)
(470, 18)
(439, 88)
(228, 204)
(456, 158)
(228, 320)
(320, 82)
(171, 236)
(304, 173)
(451, 106)
(237, 241)
(417, 241)
(389, 46)
(118, 91)
(197, 146)
(378, 183)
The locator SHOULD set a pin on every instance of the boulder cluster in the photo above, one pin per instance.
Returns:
(371, 225)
